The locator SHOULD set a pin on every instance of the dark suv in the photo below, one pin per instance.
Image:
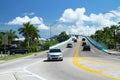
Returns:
(69, 45)
(15, 50)
(86, 48)
(84, 43)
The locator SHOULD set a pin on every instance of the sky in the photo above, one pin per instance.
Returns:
(72, 16)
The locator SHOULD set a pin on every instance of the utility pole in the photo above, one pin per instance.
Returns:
(4, 41)
(51, 28)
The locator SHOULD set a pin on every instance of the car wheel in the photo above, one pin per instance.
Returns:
(48, 59)
(61, 60)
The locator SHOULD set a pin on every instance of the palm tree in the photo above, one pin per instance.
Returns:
(99, 35)
(0, 38)
(114, 29)
(30, 32)
(11, 36)
(63, 36)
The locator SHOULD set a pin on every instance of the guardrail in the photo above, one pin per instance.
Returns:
(59, 44)
(99, 46)
(96, 44)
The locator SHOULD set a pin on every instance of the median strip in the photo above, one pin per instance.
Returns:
(75, 61)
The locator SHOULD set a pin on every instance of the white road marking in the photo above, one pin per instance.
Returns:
(24, 69)
(92, 50)
(33, 74)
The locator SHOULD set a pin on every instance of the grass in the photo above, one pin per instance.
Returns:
(10, 57)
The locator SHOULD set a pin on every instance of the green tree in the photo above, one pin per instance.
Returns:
(30, 32)
(11, 36)
(0, 38)
(107, 36)
(62, 36)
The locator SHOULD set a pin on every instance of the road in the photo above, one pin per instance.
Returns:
(84, 66)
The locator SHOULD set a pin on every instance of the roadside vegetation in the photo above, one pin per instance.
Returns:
(108, 36)
(10, 57)
(32, 40)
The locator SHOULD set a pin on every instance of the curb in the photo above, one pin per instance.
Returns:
(112, 52)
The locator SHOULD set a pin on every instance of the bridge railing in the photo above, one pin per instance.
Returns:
(59, 44)
(96, 44)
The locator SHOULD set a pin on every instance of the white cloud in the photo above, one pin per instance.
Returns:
(30, 14)
(35, 21)
(87, 24)
(68, 16)
(75, 21)
(101, 19)
(43, 26)
(21, 20)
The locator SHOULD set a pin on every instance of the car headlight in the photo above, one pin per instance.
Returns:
(60, 55)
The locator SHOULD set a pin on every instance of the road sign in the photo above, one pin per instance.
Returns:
(5, 39)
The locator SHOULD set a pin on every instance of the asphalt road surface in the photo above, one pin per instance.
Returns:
(36, 67)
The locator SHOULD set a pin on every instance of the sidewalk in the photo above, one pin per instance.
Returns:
(7, 76)
(113, 52)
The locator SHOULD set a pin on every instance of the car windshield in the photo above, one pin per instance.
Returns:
(69, 44)
(55, 50)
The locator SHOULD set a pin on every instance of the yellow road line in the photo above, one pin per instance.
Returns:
(109, 69)
(100, 61)
(75, 61)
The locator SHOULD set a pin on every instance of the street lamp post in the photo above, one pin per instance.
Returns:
(4, 40)
(115, 39)
(50, 32)
(51, 28)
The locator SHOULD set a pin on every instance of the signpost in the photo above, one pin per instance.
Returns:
(4, 42)
(4, 39)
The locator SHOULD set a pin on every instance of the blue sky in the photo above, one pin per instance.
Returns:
(70, 13)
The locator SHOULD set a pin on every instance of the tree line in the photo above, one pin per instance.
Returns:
(109, 36)
(32, 36)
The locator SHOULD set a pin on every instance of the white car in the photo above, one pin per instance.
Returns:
(55, 54)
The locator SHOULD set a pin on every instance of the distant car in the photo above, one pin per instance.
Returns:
(75, 40)
(69, 45)
(55, 54)
(84, 43)
(16, 50)
(83, 39)
(86, 48)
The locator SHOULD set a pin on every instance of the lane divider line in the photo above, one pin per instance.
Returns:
(75, 61)
(110, 69)
(99, 60)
